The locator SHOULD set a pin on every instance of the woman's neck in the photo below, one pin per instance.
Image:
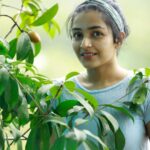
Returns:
(102, 77)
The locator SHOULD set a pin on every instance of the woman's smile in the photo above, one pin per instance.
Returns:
(88, 55)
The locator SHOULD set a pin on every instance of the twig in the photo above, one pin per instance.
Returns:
(53, 99)
(21, 136)
(9, 6)
(11, 29)
(15, 23)
(20, 10)
(11, 139)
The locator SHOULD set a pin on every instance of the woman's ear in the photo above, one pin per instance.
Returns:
(119, 40)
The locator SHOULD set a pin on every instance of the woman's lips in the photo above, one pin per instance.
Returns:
(88, 54)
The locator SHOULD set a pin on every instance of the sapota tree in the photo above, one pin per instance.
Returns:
(30, 109)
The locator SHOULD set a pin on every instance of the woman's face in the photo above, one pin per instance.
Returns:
(92, 40)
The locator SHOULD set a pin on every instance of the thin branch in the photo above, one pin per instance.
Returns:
(53, 99)
(11, 29)
(4, 5)
(21, 136)
(15, 23)
(11, 139)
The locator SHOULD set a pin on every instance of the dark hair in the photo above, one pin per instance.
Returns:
(91, 5)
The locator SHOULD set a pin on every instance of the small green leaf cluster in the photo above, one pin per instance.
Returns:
(34, 15)
(139, 86)
(20, 102)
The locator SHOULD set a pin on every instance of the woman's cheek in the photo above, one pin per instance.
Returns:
(75, 46)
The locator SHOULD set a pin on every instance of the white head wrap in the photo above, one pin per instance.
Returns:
(113, 13)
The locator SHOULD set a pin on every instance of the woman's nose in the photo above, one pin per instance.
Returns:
(86, 43)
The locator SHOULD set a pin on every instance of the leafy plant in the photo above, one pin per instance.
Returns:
(30, 100)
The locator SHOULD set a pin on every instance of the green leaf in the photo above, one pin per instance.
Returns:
(56, 91)
(47, 16)
(140, 74)
(4, 78)
(71, 143)
(37, 48)
(111, 120)
(63, 107)
(28, 81)
(22, 111)
(105, 147)
(80, 121)
(91, 99)
(52, 28)
(84, 103)
(147, 72)
(70, 85)
(38, 138)
(34, 2)
(2, 141)
(23, 46)
(91, 145)
(133, 81)
(140, 96)
(75, 109)
(34, 8)
(7, 116)
(30, 58)
(4, 47)
(55, 25)
(13, 46)
(121, 109)
(27, 18)
(11, 94)
(19, 145)
(59, 144)
(119, 140)
(56, 120)
(71, 74)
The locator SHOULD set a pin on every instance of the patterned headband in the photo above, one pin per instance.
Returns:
(113, 13)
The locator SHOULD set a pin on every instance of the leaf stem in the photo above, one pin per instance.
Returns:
(11, 29)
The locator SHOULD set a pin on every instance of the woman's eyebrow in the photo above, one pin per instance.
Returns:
(96, 27)
(89, 28)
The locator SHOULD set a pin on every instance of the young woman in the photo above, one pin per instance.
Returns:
(97, 29)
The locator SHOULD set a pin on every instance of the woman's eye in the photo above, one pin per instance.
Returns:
(96, 34)
(77, 36)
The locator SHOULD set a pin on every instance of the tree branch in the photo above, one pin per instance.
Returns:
(15, 23)
(4, 5)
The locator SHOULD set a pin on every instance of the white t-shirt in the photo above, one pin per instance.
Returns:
(134, 132)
